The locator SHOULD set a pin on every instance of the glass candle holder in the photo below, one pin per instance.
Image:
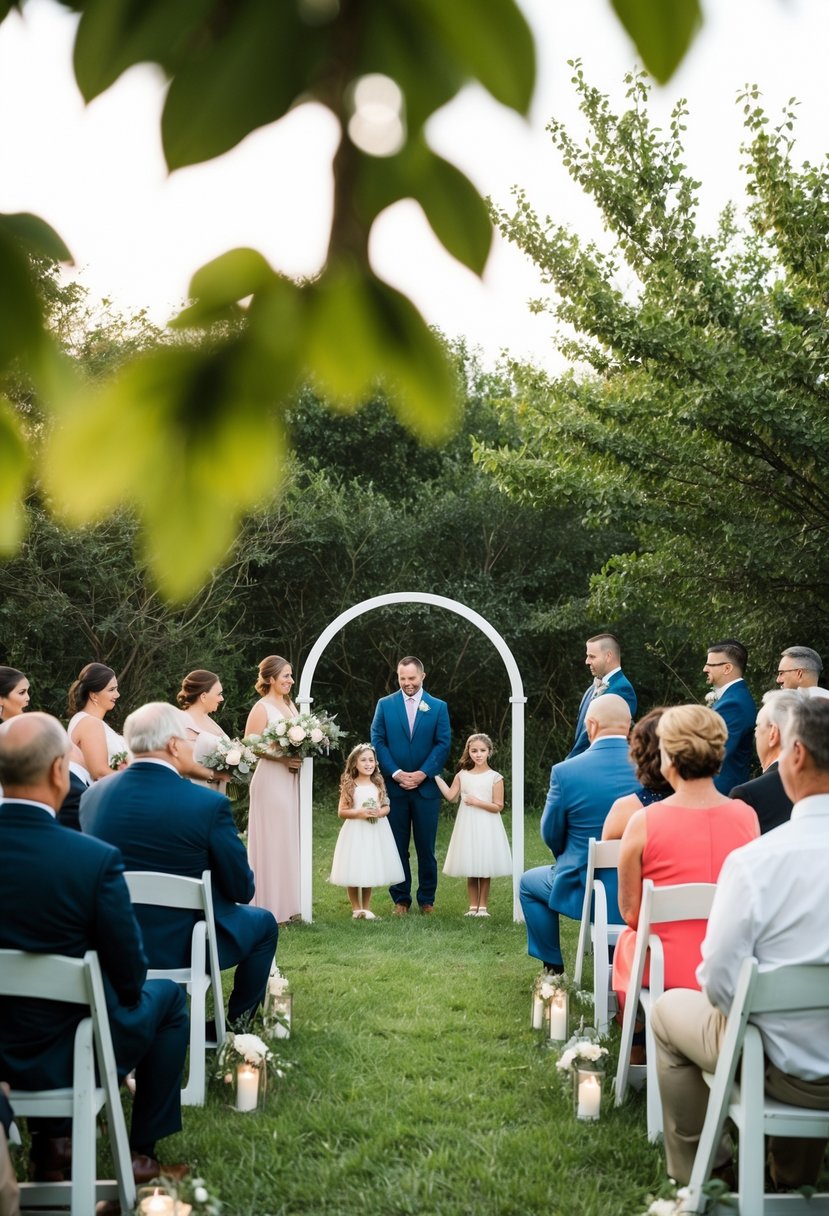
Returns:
(559, 1013)
(278, 1013)
(537, 1010)
(157, 1200)
(587, 1093)
(250, 1083)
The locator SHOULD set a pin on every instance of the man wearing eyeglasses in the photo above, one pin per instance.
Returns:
(731, 698)
(799, 668)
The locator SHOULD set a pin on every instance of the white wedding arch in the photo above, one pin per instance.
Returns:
(517, 701)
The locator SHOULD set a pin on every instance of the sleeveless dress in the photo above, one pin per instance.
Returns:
(115, 742)
(365, 854)
(273, 834)
(204, 743)
(479, 847)
(683, 844)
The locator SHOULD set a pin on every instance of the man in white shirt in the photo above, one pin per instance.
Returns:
(800, 668)
(770, 902)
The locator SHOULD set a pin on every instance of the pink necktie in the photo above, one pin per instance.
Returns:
(411, 709)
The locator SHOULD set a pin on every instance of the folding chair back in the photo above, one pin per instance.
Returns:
(595, 932)
(76, 981)
(176, 891)
(795, 989)
(660, 905)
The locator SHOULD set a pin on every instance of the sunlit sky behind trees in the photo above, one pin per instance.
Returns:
(137, 234)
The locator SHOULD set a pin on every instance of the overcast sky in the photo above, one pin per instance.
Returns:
(137, 234)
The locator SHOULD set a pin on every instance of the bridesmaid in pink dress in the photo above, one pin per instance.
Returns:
(684, 838)
(273, 822)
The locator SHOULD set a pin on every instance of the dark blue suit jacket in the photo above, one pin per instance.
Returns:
(426, 749)
(582, 790)
(737, 707)
(60, 893)
(618, 684)
(160, 821)
(766, 794)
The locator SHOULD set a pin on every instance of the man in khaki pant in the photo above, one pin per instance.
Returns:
(771, 902)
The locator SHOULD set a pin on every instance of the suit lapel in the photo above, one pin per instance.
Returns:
(401, 711)
(418, 715)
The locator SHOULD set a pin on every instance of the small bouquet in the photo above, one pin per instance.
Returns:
(582, 1049)
(119, 760)
(243, 1061)
(305, 735)
(277, 1010)
(234, 756)
(371, 804)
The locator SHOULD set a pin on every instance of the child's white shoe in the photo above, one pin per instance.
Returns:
(471, 912)
(483, 912)
(367, 915)
(358, 914)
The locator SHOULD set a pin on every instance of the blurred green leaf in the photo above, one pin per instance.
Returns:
(247, 76)
(219, 285)
(14, 474)
(662, 31)
(113, 35)
(20, 319)
(494, 42)
(343, 338)
(458, 215)
(38, 236)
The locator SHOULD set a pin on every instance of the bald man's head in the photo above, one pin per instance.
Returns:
(29, 746)
(609, 714)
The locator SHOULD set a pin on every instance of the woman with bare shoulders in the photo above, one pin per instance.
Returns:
(644, 752)
(91, 697)
(200, 696)
(273, 822)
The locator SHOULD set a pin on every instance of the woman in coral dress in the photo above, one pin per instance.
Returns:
(273, 822)
(684, 838)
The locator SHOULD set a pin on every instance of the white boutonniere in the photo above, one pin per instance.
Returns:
(423, 708)
(712, 696)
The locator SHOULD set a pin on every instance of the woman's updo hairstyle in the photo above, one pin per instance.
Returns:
(693, 737)
(644, 752)
(10, 677)
(93, 678)
(269, 669)
(193, 685)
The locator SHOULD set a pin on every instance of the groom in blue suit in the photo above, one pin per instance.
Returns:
(604, 660)
(582, 790)
(64, 893)
(411, 736)
(161, 821)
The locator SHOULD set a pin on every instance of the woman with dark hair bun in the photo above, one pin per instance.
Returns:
(91, 697)
(273, 822)
(200, 696)
(14, 693)
(644, 752)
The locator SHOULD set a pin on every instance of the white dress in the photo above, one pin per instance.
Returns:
(479, 847)
(365, 854)
(115, 742)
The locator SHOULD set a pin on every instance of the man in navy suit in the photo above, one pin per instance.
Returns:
(411, 735)
(731, 698)
(160, 821)
(766, 794)
(64, 893)
(582, 790)
(604, 660)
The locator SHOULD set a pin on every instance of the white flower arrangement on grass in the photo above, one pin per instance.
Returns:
(584, 1047)
(252, 1049)
(304, 735)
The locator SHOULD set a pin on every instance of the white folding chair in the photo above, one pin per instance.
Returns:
(196, 894)
(780, 990)
(53, 977)
(684, 901)
(596, 933)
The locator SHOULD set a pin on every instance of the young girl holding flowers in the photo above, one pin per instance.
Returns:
(365, 855)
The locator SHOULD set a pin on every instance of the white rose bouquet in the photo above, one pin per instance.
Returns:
(583, 1048)
(233, 756)
(305, 735)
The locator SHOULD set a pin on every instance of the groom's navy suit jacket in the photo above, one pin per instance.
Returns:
(622, 687)
(62, 893)
(162, 822)
(582, 790)
(426, 749)
(736, 706)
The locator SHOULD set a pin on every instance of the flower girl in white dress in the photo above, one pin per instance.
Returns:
(479, 850)
(365, 855)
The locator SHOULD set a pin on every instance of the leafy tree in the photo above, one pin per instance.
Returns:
(164, 421)
(699, 418)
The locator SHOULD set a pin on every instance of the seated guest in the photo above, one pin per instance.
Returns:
(582, 789)
(647, 763)
(684, 838)
(766, 794)
(79, 782)
(64, 893)
(9, 1190)
(800, 669)
(161, 821)
(771, 903)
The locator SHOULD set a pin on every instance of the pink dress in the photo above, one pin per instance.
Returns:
(683, 844)
(273, 834)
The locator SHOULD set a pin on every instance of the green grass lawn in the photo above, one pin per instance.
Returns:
(418, 1086)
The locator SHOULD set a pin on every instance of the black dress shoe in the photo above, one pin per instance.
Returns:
(54, 1160)
(147, 1169)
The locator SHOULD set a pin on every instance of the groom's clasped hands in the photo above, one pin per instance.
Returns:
(410, 781)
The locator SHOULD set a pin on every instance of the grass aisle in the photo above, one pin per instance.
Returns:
(418, 1086)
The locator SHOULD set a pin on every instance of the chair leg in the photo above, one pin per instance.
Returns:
(84, 1166)
(654, 1101)
(194, 1091)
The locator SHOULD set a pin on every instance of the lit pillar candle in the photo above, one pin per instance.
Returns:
(247, 1087)
(537, 1012)
(558, 1017)
(590, 1097)
(157, 1205)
